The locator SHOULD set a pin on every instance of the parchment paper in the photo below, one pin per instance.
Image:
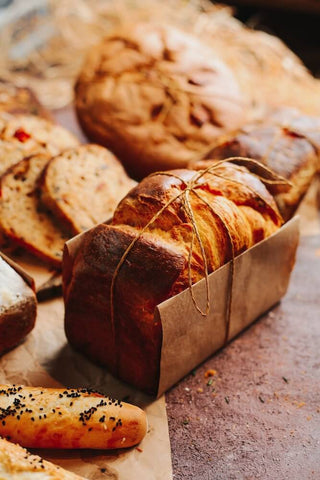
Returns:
(45, 359)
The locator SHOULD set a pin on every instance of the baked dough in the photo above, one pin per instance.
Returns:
(232, 204)
(16, 463)
(22, 220)
(156, 96)
(68, 418)
(287, 142)
(82, 186)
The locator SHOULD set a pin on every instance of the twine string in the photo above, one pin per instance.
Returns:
(188, 188)
(231, 270)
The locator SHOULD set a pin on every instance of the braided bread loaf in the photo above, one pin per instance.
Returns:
(287, 142)
(221, 212)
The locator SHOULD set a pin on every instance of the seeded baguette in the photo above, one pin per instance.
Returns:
(21, 218)
(68, 418)
(18, 464)
(82, 186)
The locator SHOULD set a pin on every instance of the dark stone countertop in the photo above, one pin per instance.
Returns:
(259, 417)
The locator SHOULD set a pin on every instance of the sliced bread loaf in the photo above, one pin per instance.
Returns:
(22, 219)
(82, 186)
(34, 133)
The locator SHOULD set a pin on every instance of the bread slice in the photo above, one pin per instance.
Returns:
(34, 133)
(9, 155)
(18, 307)
(82, 186)
(21, 217)
(17, 463)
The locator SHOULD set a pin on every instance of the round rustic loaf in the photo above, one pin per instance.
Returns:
(156, 96)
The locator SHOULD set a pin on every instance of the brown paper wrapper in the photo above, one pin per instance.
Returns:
(261, 277)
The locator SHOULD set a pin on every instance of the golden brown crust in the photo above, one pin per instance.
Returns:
(22, 220)
(157, 267)
(68, 418)
(156, 96)
(288, 145)
(17, 463)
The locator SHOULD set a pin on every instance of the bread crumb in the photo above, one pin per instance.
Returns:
(210, 373)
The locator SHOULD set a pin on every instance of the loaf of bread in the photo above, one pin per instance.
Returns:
(228, 209)
(18, 306)
(287, 142)
(17, 100)
(156, 96)
(22, 220)
(82, 186)
(17, 463)
(68, 418)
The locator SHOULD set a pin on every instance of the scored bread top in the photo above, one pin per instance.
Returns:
(33, 133)
(82, 186)
(21, 217)
(156, 96)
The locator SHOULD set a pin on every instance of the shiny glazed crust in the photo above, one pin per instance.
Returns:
(158, 266)
(286, 142)
(156, 97)
(68, 418)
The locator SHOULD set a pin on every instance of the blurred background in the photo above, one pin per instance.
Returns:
(43, 42)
